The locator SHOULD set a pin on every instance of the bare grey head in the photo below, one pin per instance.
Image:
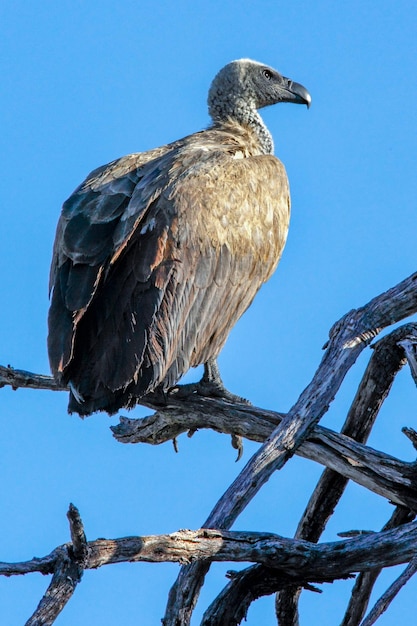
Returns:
(244, 86)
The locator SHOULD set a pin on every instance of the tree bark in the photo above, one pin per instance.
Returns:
(281, 564)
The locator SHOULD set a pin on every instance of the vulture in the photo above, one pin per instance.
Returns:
(159, 253)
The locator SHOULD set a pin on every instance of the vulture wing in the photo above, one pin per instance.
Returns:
(156, 257)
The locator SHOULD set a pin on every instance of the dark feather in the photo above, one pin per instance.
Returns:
(156, 257)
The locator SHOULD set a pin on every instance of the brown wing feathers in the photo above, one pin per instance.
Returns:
(150, 284)
(158, 254)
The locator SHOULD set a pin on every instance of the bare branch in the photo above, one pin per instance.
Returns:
(379, 472)
(295, 432)
(347, 340)
(364, 583)
(78, 538)
(44, 565)
(21, 378)
(292, 557)
(64, 581)
(374, 470)
(69, 563)
(411, 434)
(231, 605)
(349, 337)
(387, 359)
(386, 599)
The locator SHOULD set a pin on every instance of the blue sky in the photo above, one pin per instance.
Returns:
(84, 83)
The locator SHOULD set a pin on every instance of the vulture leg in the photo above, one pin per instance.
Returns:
(211, 384)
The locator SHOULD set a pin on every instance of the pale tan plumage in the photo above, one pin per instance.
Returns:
(158, 254)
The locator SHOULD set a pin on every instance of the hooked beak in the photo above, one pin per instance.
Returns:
(296, 93)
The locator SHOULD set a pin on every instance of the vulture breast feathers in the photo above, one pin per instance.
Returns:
(158, 254)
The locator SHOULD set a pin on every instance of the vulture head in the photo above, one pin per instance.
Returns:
(244, 86)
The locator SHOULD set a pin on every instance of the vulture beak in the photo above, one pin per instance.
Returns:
(296, 93)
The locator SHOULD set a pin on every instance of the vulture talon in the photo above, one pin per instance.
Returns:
(208, 390)
(212, 382)
(237, 444)
(216, 390)
(210, 386)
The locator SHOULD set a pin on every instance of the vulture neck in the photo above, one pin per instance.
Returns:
(249, 118)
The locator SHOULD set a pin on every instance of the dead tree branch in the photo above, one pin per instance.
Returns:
(387, 359)
(230, 607)
(377, 471)
(386, 599)
(294, 561)
(21, 378)
(364, 583)
(68, 567)
(348, 338)
(284, 565)
(292, 557)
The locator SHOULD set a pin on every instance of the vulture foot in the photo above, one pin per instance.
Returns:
(211, 385)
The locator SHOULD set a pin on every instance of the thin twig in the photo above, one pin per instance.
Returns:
(365, 581)
(411, 434)
(78, 538)
(21, 378)
(385, 600)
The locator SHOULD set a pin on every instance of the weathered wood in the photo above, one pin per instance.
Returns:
(66, 576)
(387, 359)
(78, 538)
(381, 473)
(365, 581)
(296, 563)
(68, 566)
(348, 338)
(16, 378)
(292, 557)
(386, 599)
(247, 585)
(377, 471)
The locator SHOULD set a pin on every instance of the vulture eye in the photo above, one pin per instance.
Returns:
(267, 74)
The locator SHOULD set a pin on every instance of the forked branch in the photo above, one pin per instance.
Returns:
(348, 338)
(282, 564)
(293, 561)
